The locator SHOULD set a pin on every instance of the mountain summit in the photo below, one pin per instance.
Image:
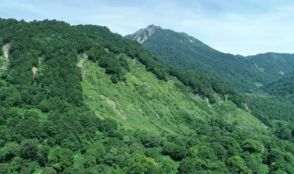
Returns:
(144, 34)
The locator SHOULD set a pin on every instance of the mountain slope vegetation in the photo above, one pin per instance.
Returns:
(245, 74)
(80, 99)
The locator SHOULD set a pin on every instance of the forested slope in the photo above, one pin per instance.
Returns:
(80, 99)
(282, 87)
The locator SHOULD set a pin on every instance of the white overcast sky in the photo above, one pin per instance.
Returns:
(236, 26)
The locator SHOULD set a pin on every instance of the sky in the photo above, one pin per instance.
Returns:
(243, 27)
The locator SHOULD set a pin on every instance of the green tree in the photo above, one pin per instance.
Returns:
(141, 164)
(60, 158)
(238, 165)
(252, 146)
(29, 149)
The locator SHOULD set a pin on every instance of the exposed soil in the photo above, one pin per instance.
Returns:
(34, 71)
(5, 50)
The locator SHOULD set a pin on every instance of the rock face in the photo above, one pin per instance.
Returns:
(34, 71)
(142, 35)
(81, 62)
(5, 50)
(4, 61)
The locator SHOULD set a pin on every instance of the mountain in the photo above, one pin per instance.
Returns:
(183, 51)
(80, 99)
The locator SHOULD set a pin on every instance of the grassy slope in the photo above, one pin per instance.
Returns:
(146, 103)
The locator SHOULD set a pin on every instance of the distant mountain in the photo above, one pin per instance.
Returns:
(184, 51)
(277, 65)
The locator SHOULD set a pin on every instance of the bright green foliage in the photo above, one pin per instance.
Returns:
(142, 164)
(60, 158)
(238, 165)
(161, 104)
(252, 146)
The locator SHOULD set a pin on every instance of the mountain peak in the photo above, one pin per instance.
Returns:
(152, 27)
(144, 34)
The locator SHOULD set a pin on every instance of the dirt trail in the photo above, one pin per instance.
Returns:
(5, 50)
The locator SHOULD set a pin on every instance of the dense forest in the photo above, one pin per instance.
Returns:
(51, 122)
(282, 87)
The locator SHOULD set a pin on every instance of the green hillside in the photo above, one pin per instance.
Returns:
(245, 74)
(80, 99)
(162, 106)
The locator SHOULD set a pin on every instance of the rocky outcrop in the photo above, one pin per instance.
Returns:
(143, 35)
(5, 50)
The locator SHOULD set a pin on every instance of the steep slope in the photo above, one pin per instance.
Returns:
(161, 105)
(183, 51)
(99, 103)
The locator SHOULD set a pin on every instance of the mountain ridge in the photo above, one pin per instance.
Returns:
(241, 72)
(157, 28)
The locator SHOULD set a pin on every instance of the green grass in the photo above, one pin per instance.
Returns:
(143, 102)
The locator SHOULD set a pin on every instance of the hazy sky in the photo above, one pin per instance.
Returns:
(234, 26)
